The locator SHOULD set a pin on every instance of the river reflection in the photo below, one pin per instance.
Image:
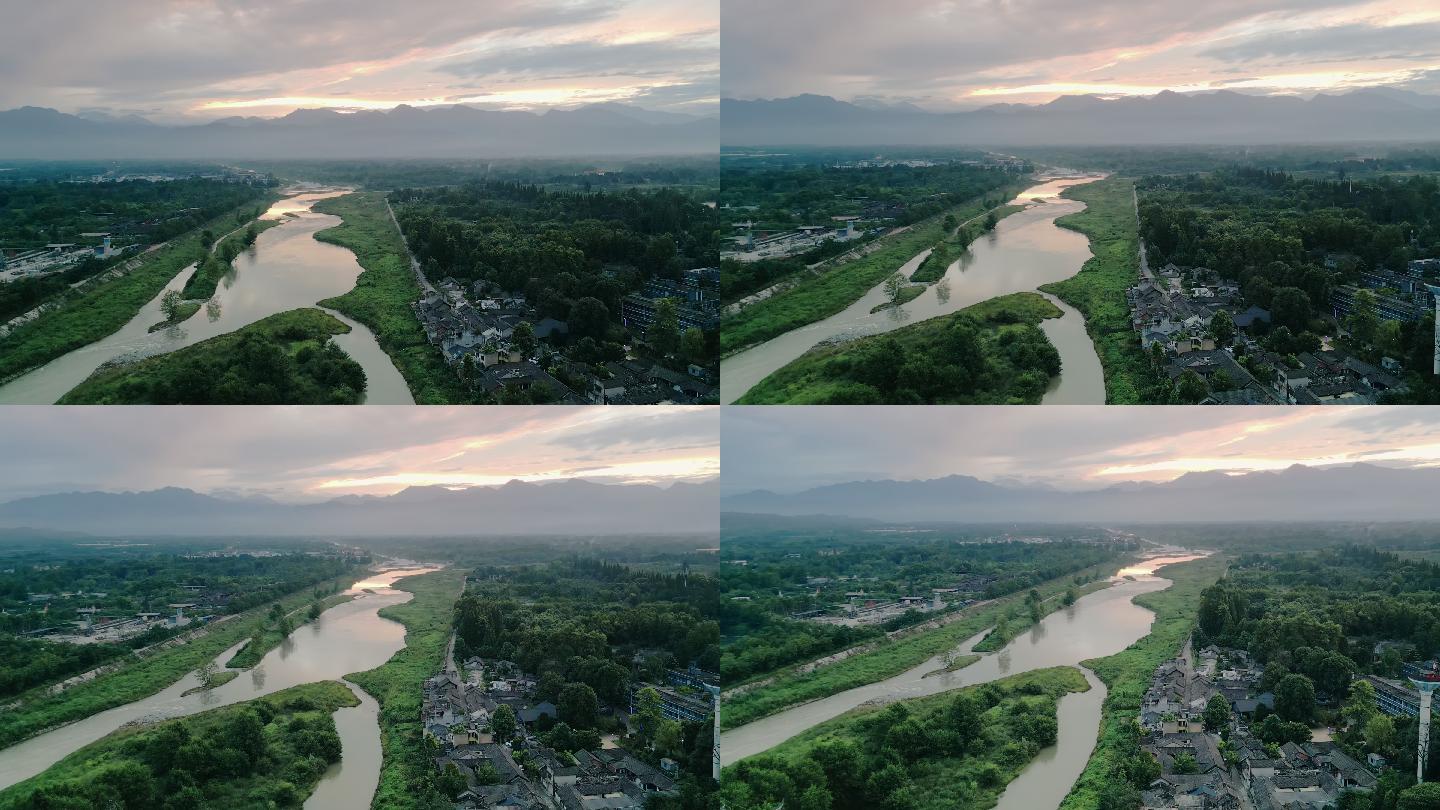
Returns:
(286, 269)
(348, 638)
(1025, 251)
(1098, 624)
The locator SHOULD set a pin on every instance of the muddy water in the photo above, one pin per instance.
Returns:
(1098, 624)
(347, 638)
(286, 269)
(1026, 249)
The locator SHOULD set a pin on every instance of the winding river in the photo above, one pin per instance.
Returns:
(1098, 624)
(286, 269)
(1024, 251)
(349, 637)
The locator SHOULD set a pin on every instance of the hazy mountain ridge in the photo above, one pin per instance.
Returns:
(1223, 117)
(1355, 492)
(404, 131)
(568, 507)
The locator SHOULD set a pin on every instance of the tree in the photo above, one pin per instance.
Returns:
(578, 705)
(170, 304)
(1185, 764)
(991, 221)
(692, 345)
(1364, 319)
(647, 715)
(1360, 707)
(664, 333)
(589, 317)
(1380, 735)
(1295, 698)
(1424, 796)
(315, 610)
(1222, 326)
(523, 338)
(1217, 713)
(949, 223)
(502, 723)
(894, 288)
(451, 782)
(1191, 388)
(206, 672)
(1290, 306)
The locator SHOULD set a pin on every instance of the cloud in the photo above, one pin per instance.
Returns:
(938, 52)
(302, 452)
(175, 55)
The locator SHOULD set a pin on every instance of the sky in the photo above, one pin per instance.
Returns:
(177, 60)
(959, 54)
(796, 448)
(302, 453)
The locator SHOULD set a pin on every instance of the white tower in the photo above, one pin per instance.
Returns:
(1426, 680)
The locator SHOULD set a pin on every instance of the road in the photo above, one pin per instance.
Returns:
(425, 285)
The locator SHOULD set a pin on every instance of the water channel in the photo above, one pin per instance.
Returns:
(286, 269)
(349, 637)
(1024, 251)
(1098, 624)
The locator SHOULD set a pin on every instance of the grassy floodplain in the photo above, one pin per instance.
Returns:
(285, 359)
(891, 657)
(277, 760)
(207, 276)
(1098, 290)
(826, 294)
(1018, 709)
(383, 294)
(1127, 673)
(36, 711)
(947, 250)
(1011, 362)
(269, 636)
(406, 774)
(104, 307)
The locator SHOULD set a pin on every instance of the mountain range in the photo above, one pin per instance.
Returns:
(402, 132)
(1358, 492)
(1222, 117)
(517, 508)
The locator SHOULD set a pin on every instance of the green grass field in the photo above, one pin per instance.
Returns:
(122, 766)
(228, 369)
(104, 307)
(890, 657)
(969, 782)
(406, 775)
(383, 294)
(830, 292)
(824, 375)
(1098, 290)
(39, 711)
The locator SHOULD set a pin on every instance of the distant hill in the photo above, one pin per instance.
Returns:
(1359, 492)
(1223, 117)
(566, 507)
(403, 132)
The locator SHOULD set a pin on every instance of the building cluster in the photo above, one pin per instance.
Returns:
(1398, 296)
(524, 774)
(752, 245)
(1173, 320)
(1201, 770)
(474, 329)
(58, 256)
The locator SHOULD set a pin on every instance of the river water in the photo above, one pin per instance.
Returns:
(1024, 251)
(286, 269)
(1098, 624)
(347, 638)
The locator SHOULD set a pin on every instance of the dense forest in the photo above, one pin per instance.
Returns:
(991, 353)
(557, 246)
(783, 197)
(135, 212)
(589, 629)
(269, 752)
(123, 587)
(781, 578)
(1318, 622)
(949, 751)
